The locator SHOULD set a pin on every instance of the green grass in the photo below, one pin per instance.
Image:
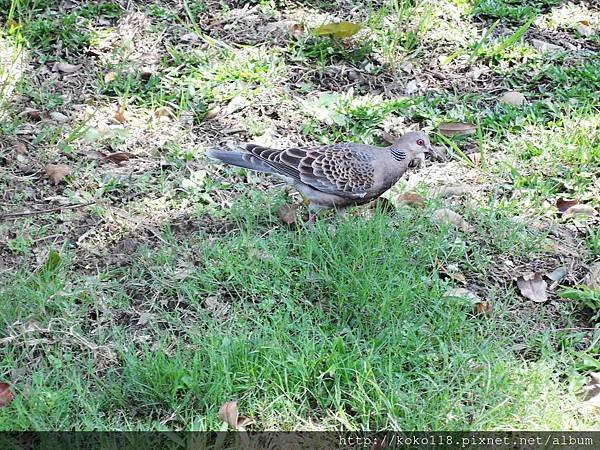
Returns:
(349, 327)
(180, 289)
(511, 10)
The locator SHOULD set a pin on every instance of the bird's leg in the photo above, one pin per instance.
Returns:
(312, 214)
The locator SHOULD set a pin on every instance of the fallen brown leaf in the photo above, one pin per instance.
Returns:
(164, 112)
(564, 204)
(57, 172)
(558, 274)
(475, 158)
(453, 271)
(119, 157)
(66, 67)
(533, 287)
(445, 216)
(463, 293)
(229, 413)
(6, 395)
(591, 399)
(110, 76)
(580, 210)
(513, 98)
(456, 190)
(410, 199)
(212, 113)
(297, 30)
(483, 308)
(20, 148)
(32, 114)
(592, 280)
(120, 114)
(59, 117)
(287, 214)
(583, 28)
(411, 87)
(456, 128)
(543, 46)
(94, 154)
(189, 38)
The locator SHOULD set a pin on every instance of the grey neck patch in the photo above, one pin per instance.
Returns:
(397, 154)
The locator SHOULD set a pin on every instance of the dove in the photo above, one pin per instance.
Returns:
(337, 175)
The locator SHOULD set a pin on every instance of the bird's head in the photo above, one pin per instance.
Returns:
(416, 142)
(411, 145)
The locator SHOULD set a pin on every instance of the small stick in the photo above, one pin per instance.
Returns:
(43, 211)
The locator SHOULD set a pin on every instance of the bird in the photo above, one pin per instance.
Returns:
(337, 175)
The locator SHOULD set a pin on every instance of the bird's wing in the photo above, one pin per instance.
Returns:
(339, 169)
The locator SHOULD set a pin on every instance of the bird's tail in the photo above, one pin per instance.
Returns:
(240, 159)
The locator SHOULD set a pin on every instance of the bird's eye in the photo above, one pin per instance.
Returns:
(420, 142)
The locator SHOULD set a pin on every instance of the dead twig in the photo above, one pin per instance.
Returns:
(17, 215)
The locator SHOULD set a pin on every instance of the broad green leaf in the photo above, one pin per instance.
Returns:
(339, 30)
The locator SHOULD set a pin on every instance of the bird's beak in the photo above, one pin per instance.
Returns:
(435, 152)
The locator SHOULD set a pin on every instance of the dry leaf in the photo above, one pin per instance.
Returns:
(466, 294)
(189, 38)
(119, 157)
(338, 30)
(120, 114)
(57, 172)
(6, 395)
(533, 287)
(212, 113)
(513, 98)
(297, 30)
(580, 210)
(20, 148)
(164, 112)
(287, 214)
(145, 318)
(475, 158)
(557, 274)
(591, 399)
(411, 87)
(456, 128)
(483, 309)
(563, 204)
(31, 113)
(109, 76)
(454, 191)
(410, 199)
(59, 117)
(459, 277)
(94, 154)
(584, 29)
(228, 413)
(542, 46)
(446, 216)
(592, 280)
(234, 129)
(66, 67)
(453, 272)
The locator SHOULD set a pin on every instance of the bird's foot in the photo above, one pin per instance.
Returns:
(312, 220)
